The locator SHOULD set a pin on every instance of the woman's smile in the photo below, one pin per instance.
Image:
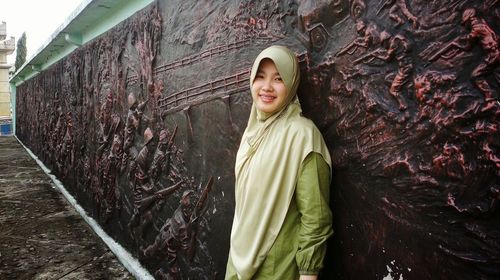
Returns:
(267, 98)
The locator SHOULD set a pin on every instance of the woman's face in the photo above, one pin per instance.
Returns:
(268, 90)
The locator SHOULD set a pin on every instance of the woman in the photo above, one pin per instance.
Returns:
(282, 219)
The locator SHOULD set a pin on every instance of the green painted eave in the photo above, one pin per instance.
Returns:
(89, 20)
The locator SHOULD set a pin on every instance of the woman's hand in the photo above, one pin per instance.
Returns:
(308, 277)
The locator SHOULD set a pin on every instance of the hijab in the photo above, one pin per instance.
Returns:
(267, 167)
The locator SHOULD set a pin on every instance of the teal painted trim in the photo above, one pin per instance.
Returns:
(62, 53)
(75, 39)
(36, 68)
(114, 18)
(118, 15)
(30, 73)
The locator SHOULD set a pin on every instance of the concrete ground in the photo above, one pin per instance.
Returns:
(41, 235)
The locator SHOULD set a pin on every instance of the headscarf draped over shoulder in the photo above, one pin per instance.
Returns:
(268, 163)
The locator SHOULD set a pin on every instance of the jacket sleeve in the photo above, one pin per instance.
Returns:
(312, 197)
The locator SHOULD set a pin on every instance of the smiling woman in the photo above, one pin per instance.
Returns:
(282, 218)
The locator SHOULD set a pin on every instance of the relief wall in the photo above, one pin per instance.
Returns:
(143, 123)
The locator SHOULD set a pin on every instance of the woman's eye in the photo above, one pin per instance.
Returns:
(279, 79)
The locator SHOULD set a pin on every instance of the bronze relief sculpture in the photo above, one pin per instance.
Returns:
(142, 125)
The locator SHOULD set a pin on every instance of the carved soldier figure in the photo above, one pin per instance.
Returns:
(115, 151)
(370, 36)
(482, 32)
(105, 123)
(179, 233)
(162, 154)
(54, 119)
(111, 192)
(134, 118)
(393, 12)
(176, 234)
(57, 134)
(140, 182)
(361, 41)
(145, 189)
(87, 173)
(66, 151)
(108, 165)
(106, 108)
(400, 49)
(132, 122)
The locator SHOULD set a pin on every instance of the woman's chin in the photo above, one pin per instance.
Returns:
(267, 108)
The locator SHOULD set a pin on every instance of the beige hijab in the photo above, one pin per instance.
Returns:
(268, 163)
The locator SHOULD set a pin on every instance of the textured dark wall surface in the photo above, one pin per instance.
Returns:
(142, 125)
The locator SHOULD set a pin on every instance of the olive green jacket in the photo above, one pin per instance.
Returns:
(301, 243)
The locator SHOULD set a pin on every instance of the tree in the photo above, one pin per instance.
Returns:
(21, 51)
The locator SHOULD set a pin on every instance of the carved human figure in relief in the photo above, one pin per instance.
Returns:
(66, 154)
(399, 5)
(178, 234)
(109, 155)
(400, 49)
(481, 32)
(105, 114)
(161, 157)
(105, 123)
(57, 134)
(51, 132)
(140, 183)
(145, 190)
(368, 36)
(111, 192)
(133, 121)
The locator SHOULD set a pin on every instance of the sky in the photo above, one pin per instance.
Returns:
(38, 18)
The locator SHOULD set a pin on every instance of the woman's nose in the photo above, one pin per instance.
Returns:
(267, 85)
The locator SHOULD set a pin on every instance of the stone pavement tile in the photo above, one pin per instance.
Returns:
(41, 235)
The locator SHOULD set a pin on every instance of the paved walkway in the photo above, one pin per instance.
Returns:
(41, 235)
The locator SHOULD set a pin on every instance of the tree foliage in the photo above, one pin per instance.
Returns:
(21, 51)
